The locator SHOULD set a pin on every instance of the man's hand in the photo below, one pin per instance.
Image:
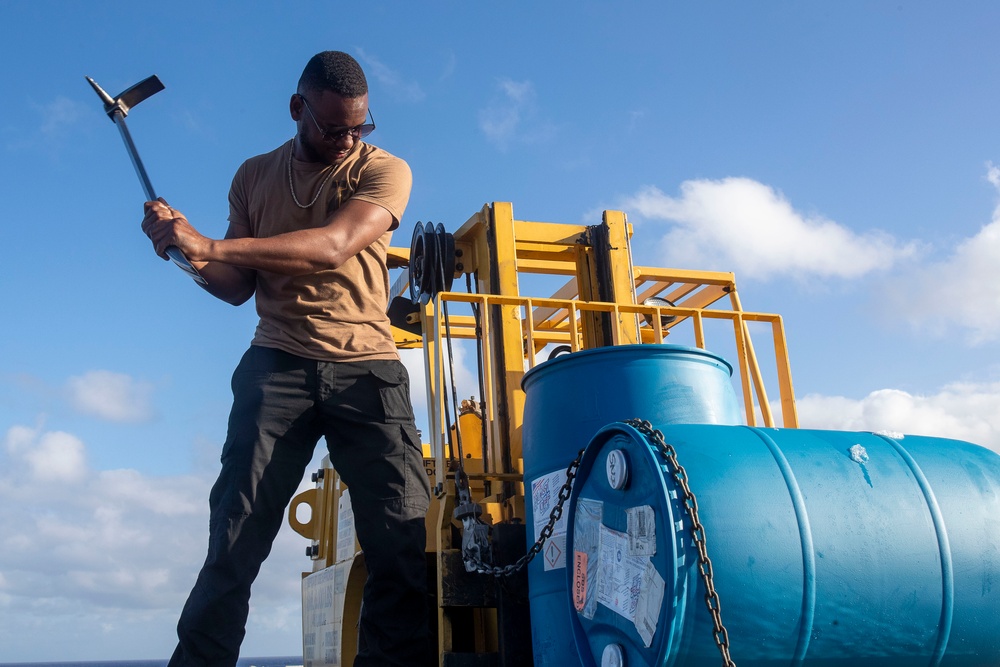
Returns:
(166, 226)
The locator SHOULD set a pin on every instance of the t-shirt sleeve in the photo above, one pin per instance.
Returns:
(386, 181)
(239, 209)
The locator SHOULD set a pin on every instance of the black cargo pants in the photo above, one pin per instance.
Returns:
(282, 404)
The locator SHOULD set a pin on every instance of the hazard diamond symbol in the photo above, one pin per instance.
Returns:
(552, 554)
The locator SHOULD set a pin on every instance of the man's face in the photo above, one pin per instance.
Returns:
(332, 114)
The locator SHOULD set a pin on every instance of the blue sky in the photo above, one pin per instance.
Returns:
(838, 157)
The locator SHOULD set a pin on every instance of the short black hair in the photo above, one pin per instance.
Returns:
(335, 71)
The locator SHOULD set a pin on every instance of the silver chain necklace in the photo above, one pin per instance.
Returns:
(291, 187)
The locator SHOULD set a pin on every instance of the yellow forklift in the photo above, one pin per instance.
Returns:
(476, 526)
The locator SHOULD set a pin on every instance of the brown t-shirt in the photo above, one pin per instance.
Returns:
(330, 315)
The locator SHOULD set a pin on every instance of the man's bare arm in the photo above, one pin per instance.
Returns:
(349, 230)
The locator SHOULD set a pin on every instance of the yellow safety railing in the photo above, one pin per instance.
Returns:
(562, 319)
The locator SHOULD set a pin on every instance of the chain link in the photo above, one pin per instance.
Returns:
(546, 532)
(719, 632)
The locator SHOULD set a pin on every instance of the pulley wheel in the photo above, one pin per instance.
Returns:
(446, 247)
(419, 262)
(432, 261)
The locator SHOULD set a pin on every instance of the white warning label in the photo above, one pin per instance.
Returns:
(641, 531)
(545, 496)
(345, 527)
(621, 574)
(554, 551)
(647, 608)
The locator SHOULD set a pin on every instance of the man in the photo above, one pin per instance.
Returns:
(309, 225)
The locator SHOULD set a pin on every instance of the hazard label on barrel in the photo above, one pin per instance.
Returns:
(544, 497)
(554, 557)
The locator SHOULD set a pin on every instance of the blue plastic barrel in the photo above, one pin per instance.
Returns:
(828, 548)
(567, 400)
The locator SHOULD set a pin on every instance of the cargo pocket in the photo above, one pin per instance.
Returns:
(418, 487)
(394, 391)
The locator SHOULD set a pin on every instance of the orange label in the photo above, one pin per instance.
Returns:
(579, 580)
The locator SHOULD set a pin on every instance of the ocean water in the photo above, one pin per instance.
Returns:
(285, 661)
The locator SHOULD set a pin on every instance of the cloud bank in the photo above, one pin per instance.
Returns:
(741, 225)
(512, 116)
(113, 554)
(962, 291)
(963, 411)
(114, 397)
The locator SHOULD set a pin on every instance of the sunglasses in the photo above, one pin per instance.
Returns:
(338, 133)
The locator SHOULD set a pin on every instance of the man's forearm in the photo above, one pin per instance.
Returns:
(295, 253)
(232, 284)
(353, 228)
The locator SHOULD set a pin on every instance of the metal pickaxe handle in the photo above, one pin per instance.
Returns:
(117, 108)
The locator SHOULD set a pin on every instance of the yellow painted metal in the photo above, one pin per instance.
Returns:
(549, 233)
(434, 379)
(397, 257)
(405, 340)
(747, 366)
(619, 261)
(786, 393)
(587, 280)
(789, 413)
(442, 544)
(322, 501)
(510, 348)
(470, 424)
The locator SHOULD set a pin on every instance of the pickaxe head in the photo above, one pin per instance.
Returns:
(127, 98)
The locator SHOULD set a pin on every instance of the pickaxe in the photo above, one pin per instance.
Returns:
(117, 108)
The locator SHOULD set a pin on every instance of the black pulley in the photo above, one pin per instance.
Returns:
(446, 248)
(432, 261)
(419, 262)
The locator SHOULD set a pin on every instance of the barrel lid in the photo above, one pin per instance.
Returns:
(627, 585)
(622, 354)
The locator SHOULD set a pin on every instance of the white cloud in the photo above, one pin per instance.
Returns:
(115, 397)
(993, 174)
(115, 553)
(963, 411)
(132, 489)
(52, 456)
(501, 121)
(448, 69)
(112, 532)
(741, 225)
(408, 91)
(414, 362)
(19, 439)
(106, 548)
(58, 116)
(961, 291)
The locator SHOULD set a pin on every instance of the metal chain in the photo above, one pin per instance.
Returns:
(719, 632)
(546, 533)
(697, 533)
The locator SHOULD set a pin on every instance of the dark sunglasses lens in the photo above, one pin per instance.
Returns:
(355, 132)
